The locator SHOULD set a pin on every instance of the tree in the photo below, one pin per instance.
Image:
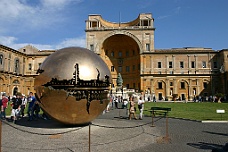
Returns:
(219, 96)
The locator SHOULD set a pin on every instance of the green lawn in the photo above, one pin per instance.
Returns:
(192, 111)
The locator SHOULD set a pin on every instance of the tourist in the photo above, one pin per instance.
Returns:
(16, 106)
(125, 103)
(36, 109)
(141, 107)
(116, 102)
(154, 98)
(4, 106)
(31, 104)
(132, 108)
(23, 105)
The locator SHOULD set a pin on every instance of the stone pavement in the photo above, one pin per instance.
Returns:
(113, 132)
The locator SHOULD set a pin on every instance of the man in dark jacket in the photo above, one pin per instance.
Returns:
(16, 106)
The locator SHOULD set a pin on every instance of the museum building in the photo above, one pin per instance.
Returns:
(128, 49)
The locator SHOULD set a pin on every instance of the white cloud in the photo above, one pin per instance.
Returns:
(20, 16)
(26, 14)
(12, 9)
(162, 17)
(177, 10)
(11, 42)
(7, 40)
(56, 3)
(80, 41)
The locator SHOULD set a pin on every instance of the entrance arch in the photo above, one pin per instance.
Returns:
(122, 54)
(15, 90)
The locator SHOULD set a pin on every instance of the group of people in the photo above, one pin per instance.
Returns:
(132, 108)
(18, 105)
(131, 104)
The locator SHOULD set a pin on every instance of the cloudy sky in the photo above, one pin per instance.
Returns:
(54, 24)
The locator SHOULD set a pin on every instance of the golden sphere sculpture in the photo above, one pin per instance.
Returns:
(73, 85)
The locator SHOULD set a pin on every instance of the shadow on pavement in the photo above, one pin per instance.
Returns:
(205, 146)
(216, 133)
(41, 123)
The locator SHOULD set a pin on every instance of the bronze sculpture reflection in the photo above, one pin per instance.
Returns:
(73, 85)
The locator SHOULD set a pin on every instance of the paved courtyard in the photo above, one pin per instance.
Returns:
(113, 132)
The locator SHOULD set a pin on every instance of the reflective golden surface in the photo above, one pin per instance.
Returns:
(73, 85)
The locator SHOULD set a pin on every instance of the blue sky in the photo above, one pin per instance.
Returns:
(55, 24)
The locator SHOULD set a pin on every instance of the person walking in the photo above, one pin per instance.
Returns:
(141, 107)
(116, 102)
(23, 105)
(31, 104)
(16, 107)
(4, 106)
(132, 108)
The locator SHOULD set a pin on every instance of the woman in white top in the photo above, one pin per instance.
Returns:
(140, 106)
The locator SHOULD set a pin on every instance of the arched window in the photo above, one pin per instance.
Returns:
(16, 66)
(1, 59)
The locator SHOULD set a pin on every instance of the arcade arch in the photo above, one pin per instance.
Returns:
(122, 55)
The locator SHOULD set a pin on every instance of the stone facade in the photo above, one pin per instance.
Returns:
(128, 48)
(18, 68)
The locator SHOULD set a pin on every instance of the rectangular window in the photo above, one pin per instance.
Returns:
(205, 85)
(93, 24)
(159, 64)
(181, 64)
(1, 59)
(133, 68)
(145, 22)
(120, 54)
(193, 64)
(92, 47)
(159, 85)
(127, 69)
(147, 47)
(171, 83)
(170, 64)
(204, 64)
(182, 85)
(127, 86)
(112, 54)
(127, 53)
(30, 66)
(215, 65)
(119, 68)
(112, 68)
